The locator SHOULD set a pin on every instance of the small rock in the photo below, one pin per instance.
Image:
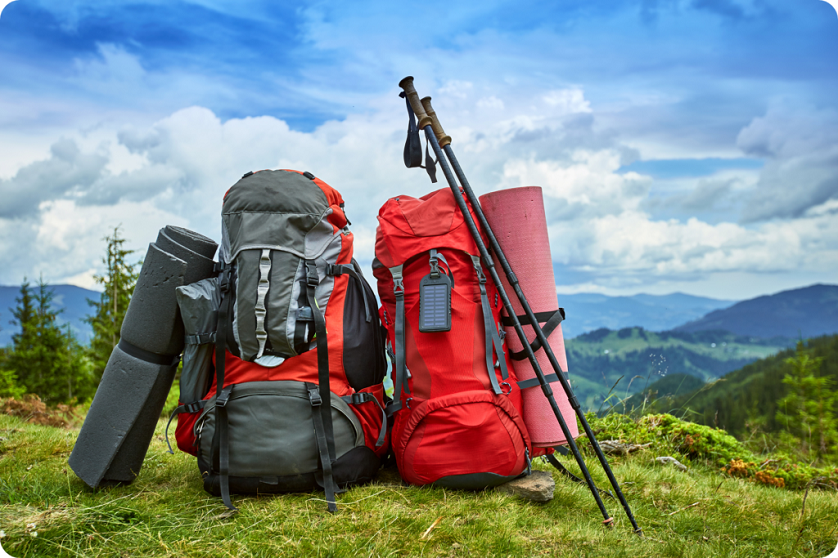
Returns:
(673, 461)
(538, 487)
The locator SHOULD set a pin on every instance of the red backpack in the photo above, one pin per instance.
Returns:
(281, 384)
(456, 407)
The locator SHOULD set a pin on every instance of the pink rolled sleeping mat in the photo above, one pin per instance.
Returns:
(518, 220)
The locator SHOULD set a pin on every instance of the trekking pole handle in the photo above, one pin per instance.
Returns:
(435, 125)
(415, 103)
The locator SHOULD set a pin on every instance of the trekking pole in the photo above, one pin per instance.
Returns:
(425, 122)
(444, 142)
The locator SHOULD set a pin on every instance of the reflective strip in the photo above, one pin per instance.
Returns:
(261, 292)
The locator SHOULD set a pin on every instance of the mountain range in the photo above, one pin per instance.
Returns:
(804, 312)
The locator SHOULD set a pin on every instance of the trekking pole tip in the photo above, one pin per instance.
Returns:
(415, 103)
(435, 125)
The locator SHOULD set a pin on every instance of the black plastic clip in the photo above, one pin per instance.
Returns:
(314, 396)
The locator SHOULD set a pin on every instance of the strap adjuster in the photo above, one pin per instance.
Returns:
(193, 407)
(224, 397)
(314, 396)
(358, 398)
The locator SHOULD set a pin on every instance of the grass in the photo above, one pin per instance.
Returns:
(165, 512)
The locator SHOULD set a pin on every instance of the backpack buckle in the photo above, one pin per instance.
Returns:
(224, 397)
(357, 398)
(314, 396)
(312, 277)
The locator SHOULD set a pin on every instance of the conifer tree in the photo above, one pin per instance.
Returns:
(46, 359)
(117, 286)
(808, 411)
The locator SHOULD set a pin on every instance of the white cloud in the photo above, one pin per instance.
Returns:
(800, 145)
(176, 171)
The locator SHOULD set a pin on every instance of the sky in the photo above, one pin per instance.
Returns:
(682, 145)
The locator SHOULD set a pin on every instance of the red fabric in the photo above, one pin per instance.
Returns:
(459, 434)
(451, 423)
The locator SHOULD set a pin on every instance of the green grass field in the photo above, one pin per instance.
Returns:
(45, 510)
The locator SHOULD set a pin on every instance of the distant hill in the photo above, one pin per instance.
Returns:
(588, 311)
(69, 298)
(807, 312)
(749, 394)
(598, 359)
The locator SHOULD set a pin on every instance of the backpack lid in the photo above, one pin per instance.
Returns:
(408, 226)
(280, 210)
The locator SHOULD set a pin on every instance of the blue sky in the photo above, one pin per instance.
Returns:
(683, 145)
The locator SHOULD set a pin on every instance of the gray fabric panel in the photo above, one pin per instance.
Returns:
(473, 481)
(152, 321)
(197, 266)
(198, 303)
(120, 403)
(247, 280)
(280, 320)
(276, 231)
(204, 246)
(271, 431)
(271, 191)
(320, 238)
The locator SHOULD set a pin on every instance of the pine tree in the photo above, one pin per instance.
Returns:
(808, 411)
(46, 359)
(117, 286)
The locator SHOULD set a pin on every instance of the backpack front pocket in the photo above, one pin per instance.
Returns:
(271, 431)
(471, 440)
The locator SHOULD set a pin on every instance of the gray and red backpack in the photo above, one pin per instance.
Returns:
(281, 388)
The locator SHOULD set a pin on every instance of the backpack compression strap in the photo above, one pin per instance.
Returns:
(551, 320)
(321, 402)
(220, 442)
(492, 335)
(400, 364)
(365, 397)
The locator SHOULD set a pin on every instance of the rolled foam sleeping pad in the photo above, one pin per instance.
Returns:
(118, 428)
(518, 220)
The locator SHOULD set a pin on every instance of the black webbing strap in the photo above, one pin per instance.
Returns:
(533, 382)
(224, 444)
(413, 145)
(148, 356)
(551, 320)
(193, 407)
(322, 444)
(200, 338)
(492, 337)
(220, 448)
(334, 270)
(357, 399)
(558, 465)
(323, 414)
(401, 365)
